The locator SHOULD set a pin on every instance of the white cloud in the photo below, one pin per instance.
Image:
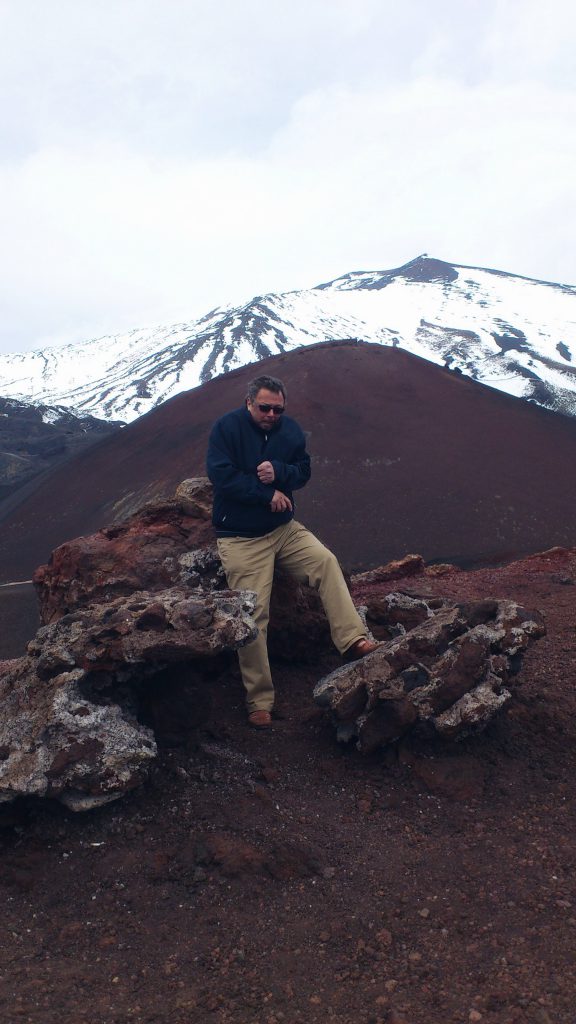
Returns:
(529, 40)
(158, 162)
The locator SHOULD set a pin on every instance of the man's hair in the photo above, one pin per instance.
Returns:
(269, 383)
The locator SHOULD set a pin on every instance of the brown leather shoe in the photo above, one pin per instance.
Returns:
(360, 649)
(260, 719)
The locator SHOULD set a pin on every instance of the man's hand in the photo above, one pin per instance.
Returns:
(265, 472)
(280, 503)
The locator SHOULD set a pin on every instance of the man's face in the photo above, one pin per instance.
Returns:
(266, 420)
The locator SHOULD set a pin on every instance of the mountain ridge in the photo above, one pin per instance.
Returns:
(513, 333)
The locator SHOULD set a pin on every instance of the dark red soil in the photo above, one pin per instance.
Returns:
(407, 456)
(267, 877)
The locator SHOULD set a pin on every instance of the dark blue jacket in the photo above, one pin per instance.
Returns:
(237, 446)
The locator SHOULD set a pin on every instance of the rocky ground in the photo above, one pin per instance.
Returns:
(267, 877)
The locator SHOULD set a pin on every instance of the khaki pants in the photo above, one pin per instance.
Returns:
(249, 565)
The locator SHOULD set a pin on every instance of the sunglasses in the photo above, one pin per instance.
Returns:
(276, 409)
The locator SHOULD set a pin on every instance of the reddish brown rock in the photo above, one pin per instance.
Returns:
(141, 553)
(410, 565)
(441, 569)
(171, 543)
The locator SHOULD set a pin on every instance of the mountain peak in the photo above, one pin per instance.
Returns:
(512, 333)
(422, 268)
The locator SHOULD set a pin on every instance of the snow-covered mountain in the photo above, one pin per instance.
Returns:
(512, 333)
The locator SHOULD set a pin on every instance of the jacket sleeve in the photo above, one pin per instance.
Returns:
(227, 478)
(290, 476)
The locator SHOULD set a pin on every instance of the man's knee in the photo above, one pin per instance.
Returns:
(326, 566)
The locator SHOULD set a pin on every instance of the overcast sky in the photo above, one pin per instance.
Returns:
(162, 157)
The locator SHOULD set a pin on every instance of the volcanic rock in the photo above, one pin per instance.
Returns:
(171, 543)
(195, 497)
(410, 565)
(165, 543)
(443, 675)
(69, 727)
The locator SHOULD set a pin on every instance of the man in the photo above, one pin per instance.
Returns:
(256, 459)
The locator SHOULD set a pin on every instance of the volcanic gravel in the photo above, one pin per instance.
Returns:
(267, 877)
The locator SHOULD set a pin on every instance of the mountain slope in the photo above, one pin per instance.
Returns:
(512, 333)
(36, 438)
(406, 456)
